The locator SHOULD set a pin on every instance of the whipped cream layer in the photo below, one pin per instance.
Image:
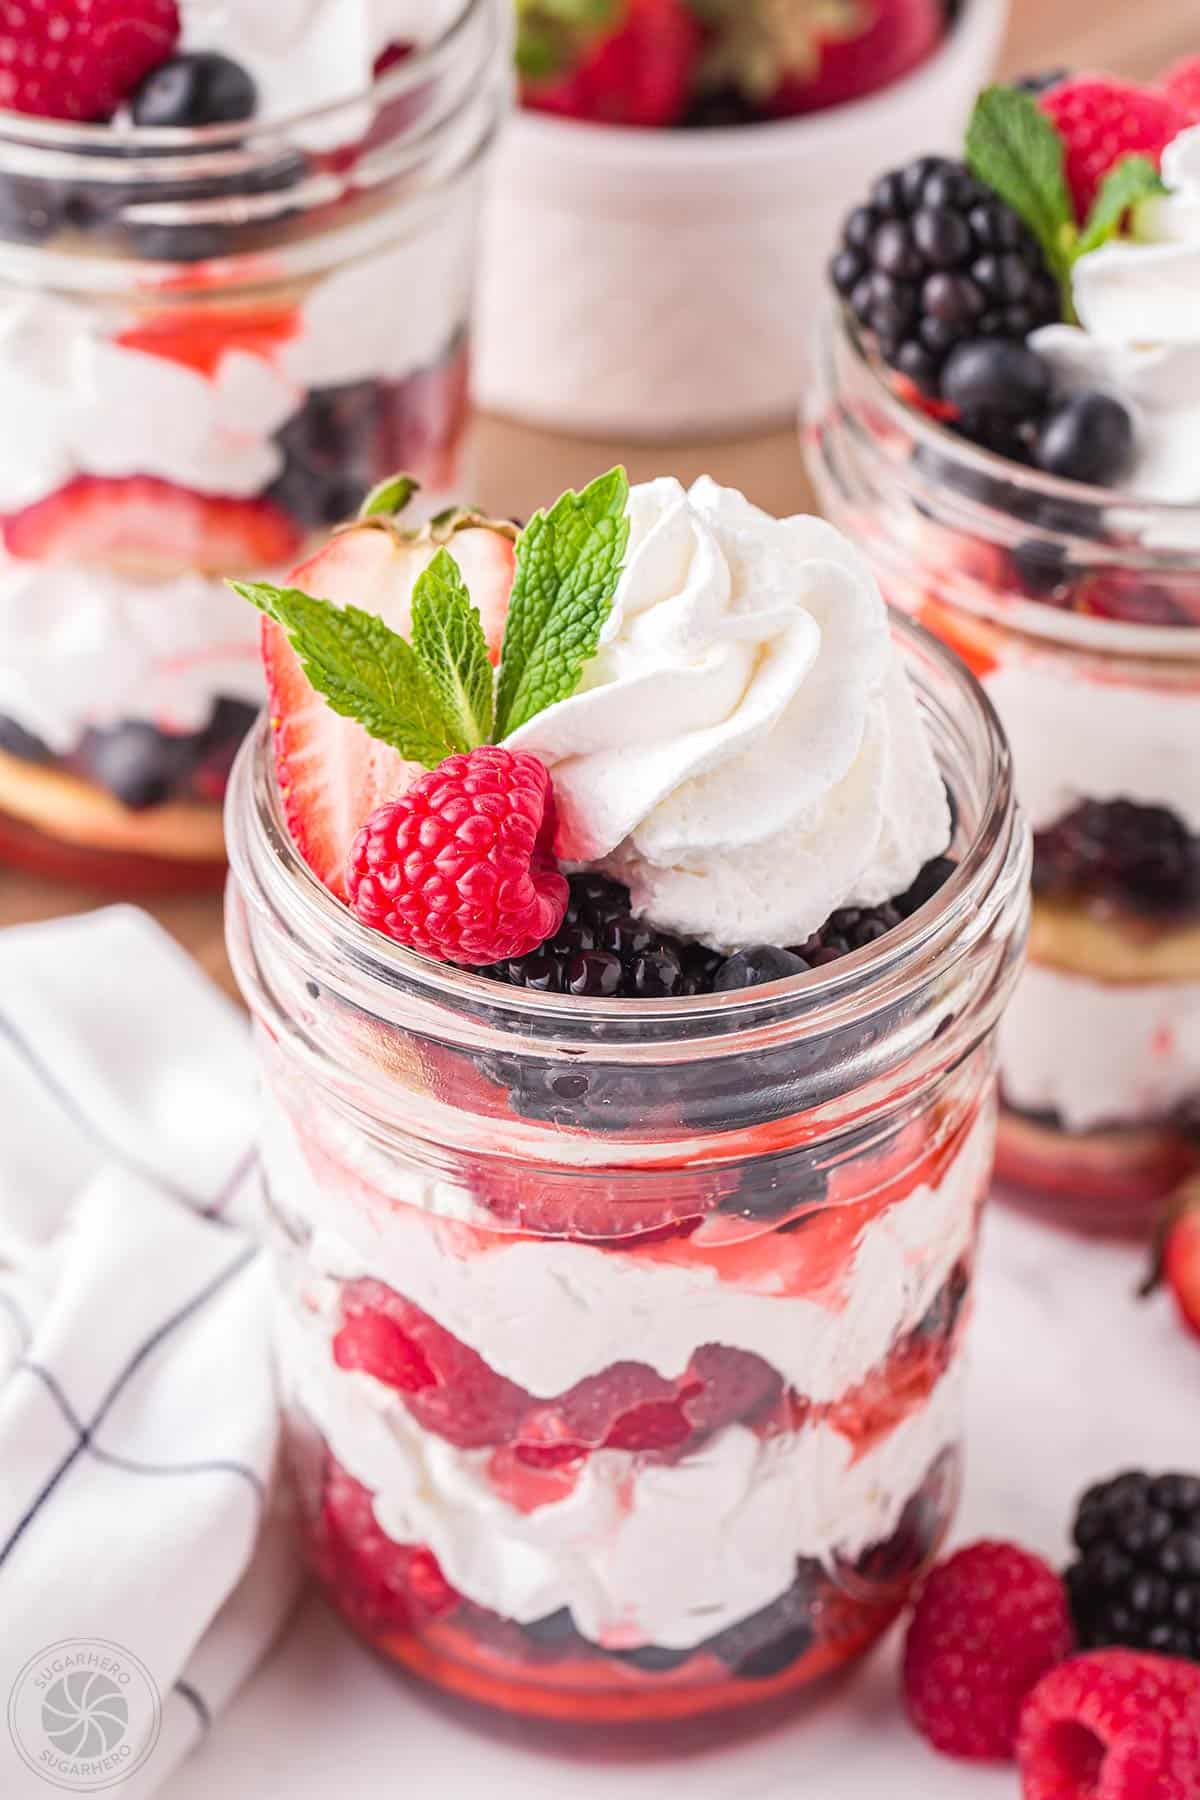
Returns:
(83, 647)
(594, 1307)
(1139, 332)
(744, 751)
(1147, 748)
(640, 1552)
(1100, 1053)
(305, 54)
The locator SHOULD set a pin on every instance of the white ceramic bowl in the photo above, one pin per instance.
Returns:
(664, 284)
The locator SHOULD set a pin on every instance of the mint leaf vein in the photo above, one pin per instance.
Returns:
(449, 642)
(568, 564)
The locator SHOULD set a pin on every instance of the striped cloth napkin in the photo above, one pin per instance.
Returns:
(143, 1570)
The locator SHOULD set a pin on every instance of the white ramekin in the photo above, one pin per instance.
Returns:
(660, 284)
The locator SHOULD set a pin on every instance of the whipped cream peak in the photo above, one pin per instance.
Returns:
(744, 750)
(1139, 332)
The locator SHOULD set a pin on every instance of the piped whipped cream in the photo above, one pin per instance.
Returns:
(1100, 1053)
(1139, 332)
(304, 54)
(665, 1553)
(744, 751)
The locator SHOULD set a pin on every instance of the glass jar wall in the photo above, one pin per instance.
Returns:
(212, 343)
(621, 1341)
(1080, 613)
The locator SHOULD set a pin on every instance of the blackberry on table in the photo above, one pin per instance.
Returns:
(936, 258)
(1136, 1578)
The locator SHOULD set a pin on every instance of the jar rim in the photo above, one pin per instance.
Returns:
(62, 137)
(272, 874)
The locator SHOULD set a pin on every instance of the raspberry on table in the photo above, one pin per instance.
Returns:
(461, 867)
(1112, 1725)
(988, 1625)
(78, 59)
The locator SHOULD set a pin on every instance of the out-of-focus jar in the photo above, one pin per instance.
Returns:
(621, 1340)
(1079, 610)
(212, 343)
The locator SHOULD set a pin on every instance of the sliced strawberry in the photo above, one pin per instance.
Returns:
(332, 774)
(150, 526)
(1181, 1259)
(198, 337)
(636, 69)
(377, 1581)
(450, 1390)
(855, 49)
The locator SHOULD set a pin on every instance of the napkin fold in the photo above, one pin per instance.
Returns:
(139, 1426)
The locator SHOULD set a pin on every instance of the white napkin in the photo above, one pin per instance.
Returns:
(138, 1418)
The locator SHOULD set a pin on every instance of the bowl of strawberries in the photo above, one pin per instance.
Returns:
(660, 201)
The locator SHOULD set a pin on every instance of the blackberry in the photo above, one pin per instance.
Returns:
(935, 258)
(1136, 1579)
(1139, 857)
(601, 952)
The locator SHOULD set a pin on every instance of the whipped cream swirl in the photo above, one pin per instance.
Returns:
(744, 750)
(1139, 333)
(305, 54)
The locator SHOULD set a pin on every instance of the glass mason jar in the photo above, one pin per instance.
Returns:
(1080, 613)
(212, 343)
(621, 1340)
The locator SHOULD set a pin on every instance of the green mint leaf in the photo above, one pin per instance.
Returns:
(1014, 149)
(552, 33)
(364, 670)
(448, 638)
(1134, 178)
(389, 497)
(568, 564)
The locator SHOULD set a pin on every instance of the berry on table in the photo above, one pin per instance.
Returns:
(935, 258)
(1087, 436)
(1101, 121)
(78, 59)
(989, 1624)
(1136, 1578)
(1114, 1725)
(461, 866)
(201, 87)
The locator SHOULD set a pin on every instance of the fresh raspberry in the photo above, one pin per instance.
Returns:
(1113, 1725)
(78, 59)
(1102, 121)
(988, 1625)
(377, 1581)
(1182, 83)
(461, 867)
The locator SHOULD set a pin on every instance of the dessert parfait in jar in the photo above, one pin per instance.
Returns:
(236, 248)
(1005, 414)
(626, 1020)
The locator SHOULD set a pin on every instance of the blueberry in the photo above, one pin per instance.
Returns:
(1086, 437)
(594, 975)
(200, 87)
(15, 740)
(1040, 81)
(655, 1659)
(751, 968)
(933, 876)
(137, 764)
(995, 376)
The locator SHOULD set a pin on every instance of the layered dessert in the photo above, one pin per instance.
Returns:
(1018, 351)
(626, 1227)
(204, 210)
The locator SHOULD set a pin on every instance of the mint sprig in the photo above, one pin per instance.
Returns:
(568, 562)
(364, 669)
(437, 694)
(449, 643)
(1014, 149)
